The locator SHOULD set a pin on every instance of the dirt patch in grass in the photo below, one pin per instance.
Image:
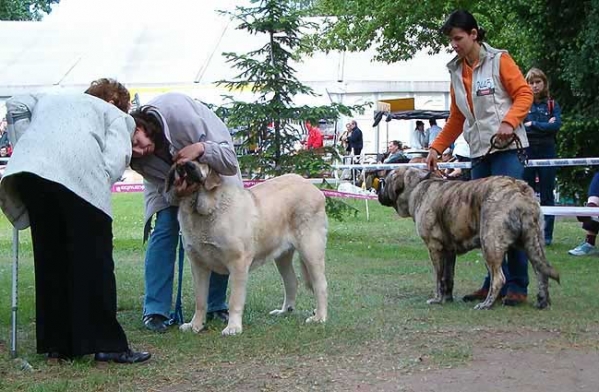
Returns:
(508, 370)
(524, 361)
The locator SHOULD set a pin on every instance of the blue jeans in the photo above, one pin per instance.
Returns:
(592, 225)
(160, 268)
(594, 187)
(505, 163)
(546, 181)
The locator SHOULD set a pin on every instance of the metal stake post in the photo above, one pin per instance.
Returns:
(15, 283)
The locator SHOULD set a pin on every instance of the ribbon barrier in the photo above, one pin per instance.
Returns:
(124, 187)
(347, 195)
(557, 211)
(466, 165)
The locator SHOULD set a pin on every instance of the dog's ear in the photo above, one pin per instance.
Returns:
(413, 177)
(211, 179)
(171, 177)
(392, 188)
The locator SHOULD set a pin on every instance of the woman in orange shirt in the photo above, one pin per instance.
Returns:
(489, 96)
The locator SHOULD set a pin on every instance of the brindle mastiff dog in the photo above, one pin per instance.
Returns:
(454, 217)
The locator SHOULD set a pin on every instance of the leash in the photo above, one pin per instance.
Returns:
(499, 145)
(176, 317)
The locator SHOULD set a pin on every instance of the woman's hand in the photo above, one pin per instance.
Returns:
(189, 153)
(505, 131)
(431, 160)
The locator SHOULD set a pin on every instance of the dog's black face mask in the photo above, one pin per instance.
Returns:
(187, 171)
(193, 173)
(387, 194)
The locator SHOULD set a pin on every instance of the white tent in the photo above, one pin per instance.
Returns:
(153, 46)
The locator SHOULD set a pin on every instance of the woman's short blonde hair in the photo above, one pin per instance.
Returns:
(536, 73)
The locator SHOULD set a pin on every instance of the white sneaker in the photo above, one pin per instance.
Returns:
(584, 249)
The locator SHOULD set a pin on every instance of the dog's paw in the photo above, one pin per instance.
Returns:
(483, 306)
(434, 301)
(281, 312)
(232, 330)
(316, 319)
(542, 304)
(190, 327)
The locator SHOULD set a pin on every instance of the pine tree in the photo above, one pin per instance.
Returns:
(271, 126)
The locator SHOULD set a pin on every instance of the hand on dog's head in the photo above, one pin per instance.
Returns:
(191, 176)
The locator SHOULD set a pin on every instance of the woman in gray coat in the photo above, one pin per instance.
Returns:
(71, 148)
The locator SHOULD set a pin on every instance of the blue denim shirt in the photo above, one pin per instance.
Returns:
(541, 131)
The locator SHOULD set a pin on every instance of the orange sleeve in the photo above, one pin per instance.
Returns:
(514, 83)
(452, 129)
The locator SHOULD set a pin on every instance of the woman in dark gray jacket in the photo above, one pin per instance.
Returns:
(175, 128)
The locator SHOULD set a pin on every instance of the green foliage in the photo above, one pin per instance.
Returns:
(25, 9)
(338, 209)
(569, 55)
(271, 126)
(304, 5)
(397, 29)
(559, 36)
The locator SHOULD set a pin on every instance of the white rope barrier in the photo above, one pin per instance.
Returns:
(466, 165)
(570, 211)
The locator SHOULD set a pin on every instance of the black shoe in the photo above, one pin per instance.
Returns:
(56, 357)
(128, 356)
(222, 315)
(155, 323)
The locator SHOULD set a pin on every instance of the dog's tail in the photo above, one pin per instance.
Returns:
(534, 244)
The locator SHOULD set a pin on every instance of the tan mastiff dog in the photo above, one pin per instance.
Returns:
(231, 230)
(454, 217)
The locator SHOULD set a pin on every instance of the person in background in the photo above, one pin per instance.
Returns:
(461, 152)
(419, 137)
(174, 128)
(355, 139)
(394, 154)
(588, 247)
(344, 136)
(315, 137)
(489, 97)
(69, 150)
(4, 142)
(433, 131)
(542, 123)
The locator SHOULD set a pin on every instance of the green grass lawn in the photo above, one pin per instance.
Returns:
(379, 280)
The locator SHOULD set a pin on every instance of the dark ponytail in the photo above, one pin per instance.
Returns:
(480, 37)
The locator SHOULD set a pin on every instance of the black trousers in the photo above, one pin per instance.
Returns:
(75, 286)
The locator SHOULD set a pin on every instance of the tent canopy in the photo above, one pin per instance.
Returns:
(410, 115)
